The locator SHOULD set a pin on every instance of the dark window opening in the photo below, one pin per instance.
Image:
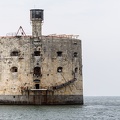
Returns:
(14, 53)
(37, 86)
(37, 53)
(37, 71)
(59, 69)
(75, 54)
(14, 69)
(76, 70)
(59, 53)
(75, 43)
(37, 14)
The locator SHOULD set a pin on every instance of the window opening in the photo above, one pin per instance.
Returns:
(36, 53)
(75, 43)
(76, 70)
(14, 53)
(37, 71)
(75, 54)
(59, 53)
(59, 69)
(14, 69)
(37, 86)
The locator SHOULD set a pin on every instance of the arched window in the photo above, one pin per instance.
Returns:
(36, 53)
(37, 71)
(14, 69)
(59, 69)
(14, 53)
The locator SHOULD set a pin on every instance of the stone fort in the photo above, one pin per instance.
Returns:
(39, 69)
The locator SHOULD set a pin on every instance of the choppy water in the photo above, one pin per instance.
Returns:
(94, 108)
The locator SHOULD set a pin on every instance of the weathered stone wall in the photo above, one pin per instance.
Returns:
(41, 99)
(16, 81)
(50, 63)
(11, 82)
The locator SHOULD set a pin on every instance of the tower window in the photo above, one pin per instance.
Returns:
(14, 53)
(37, 53)
(59, 53)
(14, 69)
(59, 69)
(75, 54)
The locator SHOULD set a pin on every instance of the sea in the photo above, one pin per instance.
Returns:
(94, 108)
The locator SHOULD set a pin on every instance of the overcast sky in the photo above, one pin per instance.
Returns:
(97, 22)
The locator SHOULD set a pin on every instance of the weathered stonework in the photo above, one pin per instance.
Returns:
(40, 70)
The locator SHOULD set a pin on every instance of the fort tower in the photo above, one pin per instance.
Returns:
(36, 16)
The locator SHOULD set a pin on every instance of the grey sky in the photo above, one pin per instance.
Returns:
(96, 21)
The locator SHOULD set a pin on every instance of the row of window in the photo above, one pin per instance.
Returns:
(37, 53)
(37, 70)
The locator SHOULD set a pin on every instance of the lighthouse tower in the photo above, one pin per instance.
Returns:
(36, 16)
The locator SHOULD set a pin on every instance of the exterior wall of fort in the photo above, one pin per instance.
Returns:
(41, 66)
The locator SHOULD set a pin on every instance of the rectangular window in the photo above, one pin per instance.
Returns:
(37, 53)
(14, 53)
(59, 53)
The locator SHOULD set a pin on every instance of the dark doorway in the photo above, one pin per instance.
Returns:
(37, 86)
(37, 71)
